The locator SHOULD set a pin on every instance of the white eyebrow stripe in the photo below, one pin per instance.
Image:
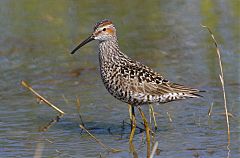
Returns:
(106, 26)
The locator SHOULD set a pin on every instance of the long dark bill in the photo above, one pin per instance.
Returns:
(89, 39)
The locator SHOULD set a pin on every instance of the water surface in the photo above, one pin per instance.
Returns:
(35, 43)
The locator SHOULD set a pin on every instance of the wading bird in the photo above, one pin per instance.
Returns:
(128, 80)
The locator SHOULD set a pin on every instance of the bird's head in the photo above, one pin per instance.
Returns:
(103, 31)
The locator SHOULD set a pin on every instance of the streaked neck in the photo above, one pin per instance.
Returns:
(109, 50)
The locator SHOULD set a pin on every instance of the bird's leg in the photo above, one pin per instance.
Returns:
(131, 114)
(133, 126)
(147, 131)
(133, 122)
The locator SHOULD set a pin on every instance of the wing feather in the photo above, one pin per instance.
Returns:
(152, 83)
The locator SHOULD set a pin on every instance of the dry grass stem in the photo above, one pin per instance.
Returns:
(169, 117)
(26, 85)
(99, 142)
(221, 76)
(65, 99)
(153, 138)
(229, 114)
(51, 123)
(78, 109)
(154, 149)
(78, 104)
(210, 110)
(49, 141)
(152, 113)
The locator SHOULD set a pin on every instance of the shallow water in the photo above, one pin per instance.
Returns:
(35, 41)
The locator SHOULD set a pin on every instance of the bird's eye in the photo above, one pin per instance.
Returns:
(104, 29)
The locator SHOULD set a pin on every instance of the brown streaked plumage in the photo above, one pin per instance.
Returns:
(128, 80)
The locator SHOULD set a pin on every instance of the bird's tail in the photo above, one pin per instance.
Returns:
(179, 92)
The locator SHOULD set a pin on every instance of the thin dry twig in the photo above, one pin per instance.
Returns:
(210, 110)
(169, 117)
(26, 85)
(49, 141)
(152, 113)
(99, 142)
(154, 149)
(229, 114)
(221, 76)
(51, 123)
(78, 109)
(65, 99)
